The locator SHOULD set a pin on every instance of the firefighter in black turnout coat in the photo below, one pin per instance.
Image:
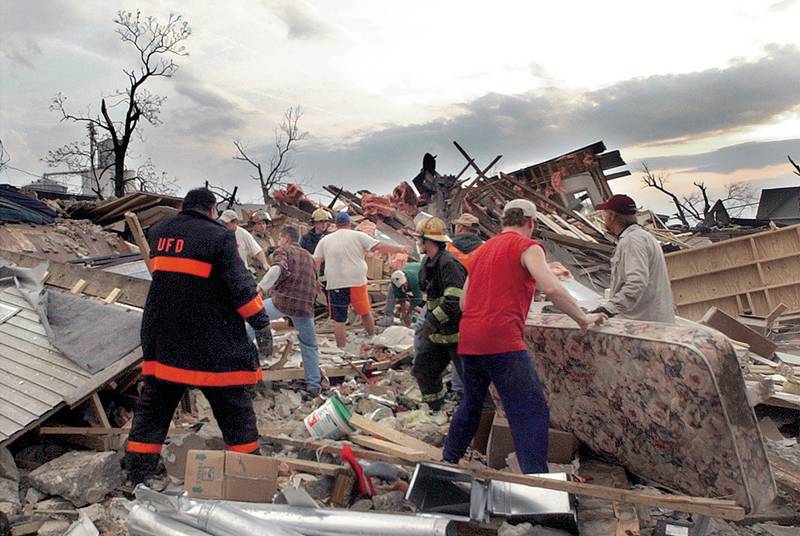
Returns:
(193, 333)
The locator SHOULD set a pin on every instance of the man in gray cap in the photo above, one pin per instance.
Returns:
(247, 245)
(640, 288)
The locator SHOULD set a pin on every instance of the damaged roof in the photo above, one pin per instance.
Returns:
(35, 378)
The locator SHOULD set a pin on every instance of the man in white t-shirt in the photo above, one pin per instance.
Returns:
(246, 244)
(346, 273)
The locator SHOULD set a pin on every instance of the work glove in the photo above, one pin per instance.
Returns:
(264, 342)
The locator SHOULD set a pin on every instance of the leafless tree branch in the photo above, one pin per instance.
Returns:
(794, 165)
(281, 163)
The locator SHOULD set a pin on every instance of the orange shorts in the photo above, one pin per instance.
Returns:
(341, 298)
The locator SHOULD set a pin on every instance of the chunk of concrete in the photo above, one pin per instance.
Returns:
(389, 502)
(80, 477)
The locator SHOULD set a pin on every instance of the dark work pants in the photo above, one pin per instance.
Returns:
(232, 407)
(516, 381)
(429, 365)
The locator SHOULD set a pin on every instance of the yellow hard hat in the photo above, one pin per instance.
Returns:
(320, 215)
(434, 229)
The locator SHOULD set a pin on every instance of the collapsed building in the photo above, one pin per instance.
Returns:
(653, 429)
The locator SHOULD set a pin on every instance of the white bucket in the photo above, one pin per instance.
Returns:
(329, 421)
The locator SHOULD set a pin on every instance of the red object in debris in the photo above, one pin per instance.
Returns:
(405, 199)
(377, 205)
(365, 486)
(557, 181)
(293, 195)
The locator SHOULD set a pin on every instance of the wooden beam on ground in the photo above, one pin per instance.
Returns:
(726, 324)
(332, 448)
(315, 468)
(284, 357)
(719, 508)
(392, 449)
(362, 424)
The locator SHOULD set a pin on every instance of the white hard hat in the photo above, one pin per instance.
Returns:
(399, 278)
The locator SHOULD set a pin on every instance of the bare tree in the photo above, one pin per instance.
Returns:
(147, 179)
(794, 165)
(697, 205)
(658, 180)
(154, 43)
(4, 157)
(281, 163)
(82, 158)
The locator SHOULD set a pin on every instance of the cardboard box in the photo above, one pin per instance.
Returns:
(217, 474)
(561, 445)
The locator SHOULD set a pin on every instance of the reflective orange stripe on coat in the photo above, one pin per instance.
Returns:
(251, 308)
(464, 258)
(245, 448)
(201, 378)
(181, 266)
(144, 448)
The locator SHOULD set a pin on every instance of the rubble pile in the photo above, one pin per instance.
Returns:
(380, 455)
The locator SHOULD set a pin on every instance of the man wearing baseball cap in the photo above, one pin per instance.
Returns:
(466, 240)
(640, 288)
(506, 272)
(405, 292)
(343, 252)
(247, 245)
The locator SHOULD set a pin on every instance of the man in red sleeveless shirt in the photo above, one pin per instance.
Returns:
(504, 275)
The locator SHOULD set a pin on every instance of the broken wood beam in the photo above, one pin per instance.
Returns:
(138, 236)
(393, 449)
(364, 425)
(719, 508)
(727, 325)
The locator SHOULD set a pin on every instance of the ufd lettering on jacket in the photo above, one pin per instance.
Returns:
(174, 245)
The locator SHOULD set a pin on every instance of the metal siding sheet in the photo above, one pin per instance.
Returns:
(35, 378)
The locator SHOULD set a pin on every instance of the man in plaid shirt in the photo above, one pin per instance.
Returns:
(291, 284)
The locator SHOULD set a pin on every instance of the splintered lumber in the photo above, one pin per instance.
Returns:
(362, 424)
(138, 236)
(737, 331)
(719, 508)
(387, 447)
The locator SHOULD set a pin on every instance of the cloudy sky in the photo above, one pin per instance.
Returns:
(703, 90)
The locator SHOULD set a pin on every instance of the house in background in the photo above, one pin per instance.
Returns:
(780, 205)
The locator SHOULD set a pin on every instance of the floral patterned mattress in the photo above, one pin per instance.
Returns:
(667, 402)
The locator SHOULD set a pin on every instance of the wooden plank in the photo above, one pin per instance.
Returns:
(138, 235)
(719, 508)
(315, 468)
(774, 314)
(113, 296)
(362, 424)
(392, 449)
(332, 448)
(734, 329)
(78, 287)
(99, 410)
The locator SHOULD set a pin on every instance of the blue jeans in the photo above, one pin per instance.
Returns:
(516, 381)
(307, 337)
